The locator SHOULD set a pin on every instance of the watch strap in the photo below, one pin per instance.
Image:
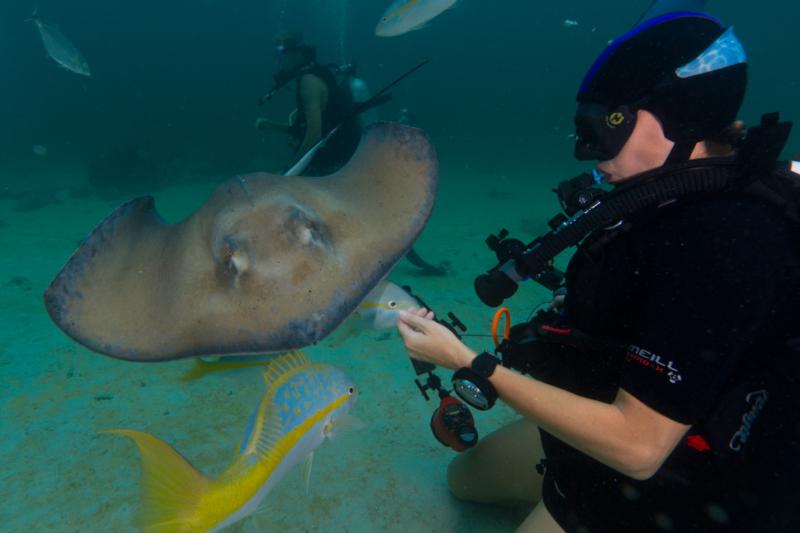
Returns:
(484, 364)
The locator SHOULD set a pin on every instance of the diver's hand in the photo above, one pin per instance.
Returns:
(429, 341)
(261, 124)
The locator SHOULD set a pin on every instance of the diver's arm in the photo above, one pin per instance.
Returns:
(311, 91)
(625, 435)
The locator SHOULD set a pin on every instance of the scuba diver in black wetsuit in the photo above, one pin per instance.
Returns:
(322, 104)
(662, 390)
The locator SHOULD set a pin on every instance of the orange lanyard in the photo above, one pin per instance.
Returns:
(496, 323)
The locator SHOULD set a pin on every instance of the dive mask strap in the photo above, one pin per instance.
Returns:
(680, 153)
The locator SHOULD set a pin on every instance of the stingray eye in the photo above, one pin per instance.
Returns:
(309, 232)
(304, 229)
(229, 248)
(233, 261)
(392, 304)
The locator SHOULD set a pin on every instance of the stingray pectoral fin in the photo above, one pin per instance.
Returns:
(90, 298)
(268, 264)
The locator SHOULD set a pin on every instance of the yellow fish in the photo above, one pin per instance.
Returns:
(304, 404)
(203, 366)
(403, 16)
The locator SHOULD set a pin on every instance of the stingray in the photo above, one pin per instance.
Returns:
(268, 264)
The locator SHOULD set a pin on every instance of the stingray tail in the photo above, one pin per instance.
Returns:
(171, 486)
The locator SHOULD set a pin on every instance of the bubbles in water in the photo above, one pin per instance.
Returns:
(344, 13)
(282, 13)
(39, 150)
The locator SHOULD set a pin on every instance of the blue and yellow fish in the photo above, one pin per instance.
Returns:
(304, 404)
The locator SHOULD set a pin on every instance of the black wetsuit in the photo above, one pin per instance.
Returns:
(343, 144)
(704, 294)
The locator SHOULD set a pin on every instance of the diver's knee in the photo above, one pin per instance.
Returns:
(457, 478)
(470, 474)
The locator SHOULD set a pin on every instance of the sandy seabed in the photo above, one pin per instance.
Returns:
(59, 474)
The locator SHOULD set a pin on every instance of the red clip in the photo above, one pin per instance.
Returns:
(698, 442)
(559, 331)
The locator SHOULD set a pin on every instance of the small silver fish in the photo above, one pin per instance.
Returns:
(59, 47)
(382, 306)
(380, 310)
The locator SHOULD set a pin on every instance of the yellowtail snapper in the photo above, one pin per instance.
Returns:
(304, 404)
(403, 16)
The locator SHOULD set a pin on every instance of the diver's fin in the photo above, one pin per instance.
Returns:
(307, 465)
(662, 7)
(171, 486)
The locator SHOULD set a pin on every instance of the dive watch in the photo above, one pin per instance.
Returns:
(472, 383)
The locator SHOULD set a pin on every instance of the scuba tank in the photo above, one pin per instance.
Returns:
(358, 92)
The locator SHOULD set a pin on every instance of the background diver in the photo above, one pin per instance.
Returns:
(323, 103)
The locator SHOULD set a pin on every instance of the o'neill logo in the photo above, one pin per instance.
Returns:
(756, 400)
(653, 362)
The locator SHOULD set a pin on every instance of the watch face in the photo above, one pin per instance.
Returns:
(474, 389)
(471, 393)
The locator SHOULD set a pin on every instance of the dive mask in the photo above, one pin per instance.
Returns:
(601, 132)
